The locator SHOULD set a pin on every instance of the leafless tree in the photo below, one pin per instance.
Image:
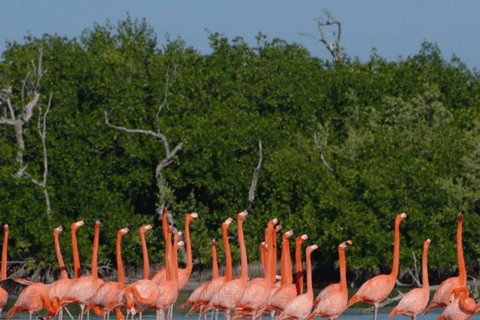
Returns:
(169, 154)
(332, 47)
(19, 116)
(256, 172)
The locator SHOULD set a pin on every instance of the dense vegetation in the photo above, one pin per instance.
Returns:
(399, 136)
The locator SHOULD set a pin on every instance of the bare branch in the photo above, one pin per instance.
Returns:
(335, 51)
(319, 147)
(256, 172)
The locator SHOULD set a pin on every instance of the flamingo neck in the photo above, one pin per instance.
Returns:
(4, 255)
(309, 275)
(262, 259)
(188, 245)
(61, 263)
(165, 224)
(121, 273)
(425, 284)
(95, 251)
(298, 266)
(343, 269)
(396, 249)
(270, 275)
(228, 256)
(146, 263)
(214, 261)
(175, 259)
(462, 273)
(285, 262)
(76, 255)
(168, 257)
(243, 250)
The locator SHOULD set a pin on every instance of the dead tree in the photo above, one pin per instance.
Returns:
(169, 156)
(332, 47)
(19, 116)
(256, 172)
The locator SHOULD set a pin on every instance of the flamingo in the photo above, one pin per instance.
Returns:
(298, 263)
(146, 289)
(301, 306)
(106, 292)
(415, 301)
(461, 306)
(257, 291)
(33, 299)
(84, 288)
(196, 294)
(332, 300)
(444, 291)
(230, 294)
(378, 288)
(287, 290)
(60, 287)
(3, 292)
(183, 274)
(212, 287)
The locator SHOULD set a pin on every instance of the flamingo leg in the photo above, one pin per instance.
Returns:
(375, 307)
(68, 311)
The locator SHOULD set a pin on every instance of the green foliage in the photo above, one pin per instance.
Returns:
(400, 136)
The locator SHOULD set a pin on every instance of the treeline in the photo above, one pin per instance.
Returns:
(345, 146)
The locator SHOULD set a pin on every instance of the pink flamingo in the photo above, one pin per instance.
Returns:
(33, 299)
(106, 292)
(257, 291)
(415, 301)
(444, 291)
(215, 284)
(183, 274)
(378, 288)
(298, 263)
(461, 306)
(60, 287)
(287, 290)
(196, 294)
(332, 301)
(3, 292)
(230, 294)
(84, 288)
(146, 291)
(301, 306)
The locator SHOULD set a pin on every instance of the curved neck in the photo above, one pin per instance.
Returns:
(4, 255)
(396, 249)
(146, 263)
(76, 256)
(121, 274)
(309, 274)
(61, 263)
(462, 273)
(228, 255)
(425, 284)
(188, 244)
(343, 269)
(243, 250)
(95, 251)
(298, 265)
(214, 260)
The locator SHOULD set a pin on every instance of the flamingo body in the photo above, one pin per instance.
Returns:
(460, 307)
(33, 299)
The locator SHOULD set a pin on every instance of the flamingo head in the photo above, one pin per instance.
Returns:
(403, 215)
(214, 241)
(275, 221)
(311, 248)
(228, 222)
(124, 230)
(242, 215)
(58, 229)
(180, 243)
(460, 217)
(194, 215)
(5, 227)
(304, 237)
(148, 227)
(98, 222)
(289, 233)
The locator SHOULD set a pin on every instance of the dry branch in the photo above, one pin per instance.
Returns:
(319, 147)
(256, 172)
(334, 49)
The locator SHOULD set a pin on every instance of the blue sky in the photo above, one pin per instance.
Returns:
(395, 28)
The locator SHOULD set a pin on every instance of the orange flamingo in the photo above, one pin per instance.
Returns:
(33, 299)
(333, 299)
(298, 263)
(378, 288)
(60, 287)
(444, 291)
(287, 290)
(415, 301)
(183, 274)
(215, 284)
(196, 294)
(84, 288)
(301, 306)
(3, 292)
(257, 291)
(461, 306)
(230, 294)
(145, 289)
(106, 292)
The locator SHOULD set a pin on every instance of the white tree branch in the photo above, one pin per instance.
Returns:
(256, 172)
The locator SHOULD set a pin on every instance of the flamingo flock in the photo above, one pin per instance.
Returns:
(238, 298)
